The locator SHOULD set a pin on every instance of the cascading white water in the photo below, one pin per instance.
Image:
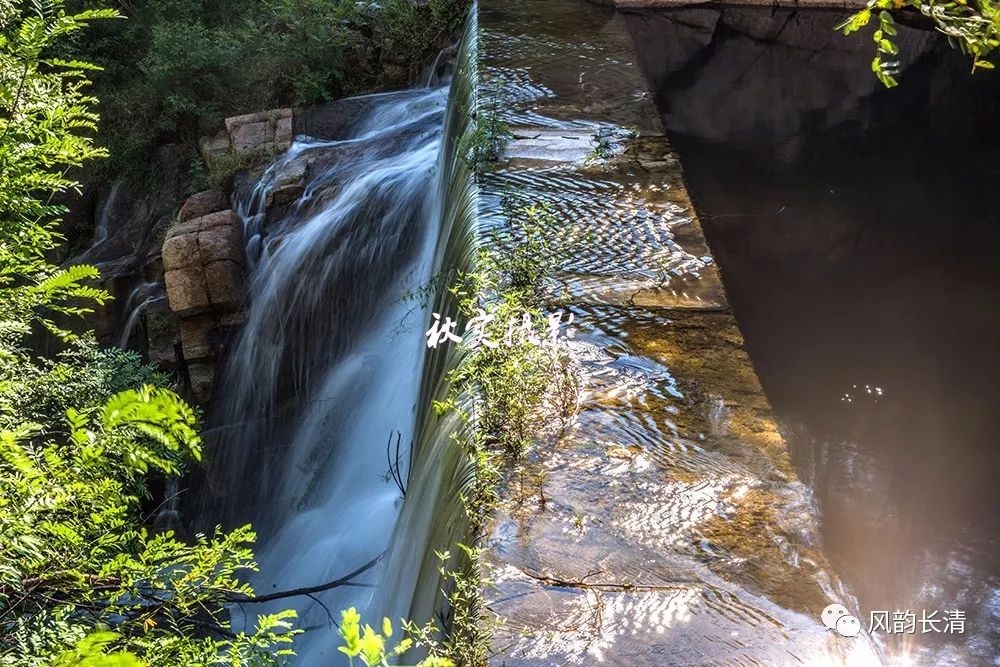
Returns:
(142, 296)
(102, 231)
(331, 364)
(326, 291)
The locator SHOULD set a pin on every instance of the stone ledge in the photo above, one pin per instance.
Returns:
(268, 131)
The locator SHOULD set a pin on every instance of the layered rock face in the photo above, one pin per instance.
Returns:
(203, 262)
(204, 255)
(204, 270)
(202, 240)
(262, 132)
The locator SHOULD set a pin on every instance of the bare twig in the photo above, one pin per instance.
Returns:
(582, 584)
(329, 615)
(346, 580)
(394, 468)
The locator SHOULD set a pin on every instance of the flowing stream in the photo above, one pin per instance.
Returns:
(672, 477)
(331, 369)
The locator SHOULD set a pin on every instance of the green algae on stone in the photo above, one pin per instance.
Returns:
(750, 533)
(707, 350)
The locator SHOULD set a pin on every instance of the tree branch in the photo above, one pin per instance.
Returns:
(346, 580)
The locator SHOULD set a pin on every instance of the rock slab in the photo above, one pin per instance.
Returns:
(204, 264)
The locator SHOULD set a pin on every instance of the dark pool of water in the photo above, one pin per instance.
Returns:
(857, 230)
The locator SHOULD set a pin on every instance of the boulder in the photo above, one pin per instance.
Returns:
(251, 136)
(225, 281)
(213, 147)
(187, 291)
(180, 249)
(265, 131)
(288, 187)
(335, 120)
(202, 204)
(204, 264)
(284, 195)
(283, 130)
(220, 236)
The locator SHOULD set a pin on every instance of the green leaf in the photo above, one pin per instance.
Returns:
(855, 21)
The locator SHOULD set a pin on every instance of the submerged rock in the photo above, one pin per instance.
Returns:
(664, 525)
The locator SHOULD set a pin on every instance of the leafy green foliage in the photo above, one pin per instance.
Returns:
(74, 557)
(972, 26)
(369, 646)
(522, 255)
(510, 382)
(44, 118)
(505, 396)
(468, 639)
(224, 166)
(82, 582)
(491, 133)
(604, 146)
(175, 68)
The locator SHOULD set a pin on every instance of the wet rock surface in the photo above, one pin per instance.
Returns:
(711, 59)
(667, 526)
(334, 120)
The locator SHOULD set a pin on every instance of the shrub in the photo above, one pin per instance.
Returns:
(81, 581)
(175, 68)
(972, 27)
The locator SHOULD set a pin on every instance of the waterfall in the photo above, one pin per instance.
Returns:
(433, 519)
(331, 363)
(104, 216)
(140, 298)
(102, 231)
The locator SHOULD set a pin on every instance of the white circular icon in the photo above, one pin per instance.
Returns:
(832, 614)
(848, 626)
